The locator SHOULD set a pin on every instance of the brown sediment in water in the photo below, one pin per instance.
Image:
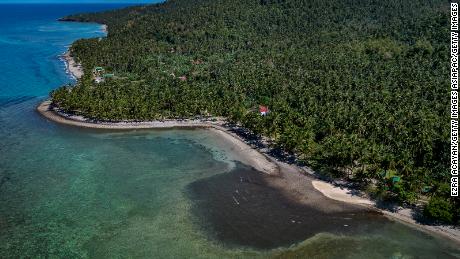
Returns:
(295, 183)
(247, 208)
(402, 215)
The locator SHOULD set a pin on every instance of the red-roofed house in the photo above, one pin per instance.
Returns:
(263, 110)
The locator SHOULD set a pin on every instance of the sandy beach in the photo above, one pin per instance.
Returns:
(290, 178)
(402, 215)
(247, 154)
(73, 68)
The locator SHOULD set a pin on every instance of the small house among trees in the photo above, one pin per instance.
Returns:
(99, 75)
(98, 70)
(263, 110)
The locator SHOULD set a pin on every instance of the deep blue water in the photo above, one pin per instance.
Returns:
(31, 39)
(75, 193)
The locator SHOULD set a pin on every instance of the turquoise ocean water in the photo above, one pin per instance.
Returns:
(75, 193)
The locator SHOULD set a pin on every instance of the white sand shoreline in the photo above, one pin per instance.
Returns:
(73, 68)
(251, 156)
(248, 155)
(402, 215)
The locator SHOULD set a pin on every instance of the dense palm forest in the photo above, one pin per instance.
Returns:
(356, 88)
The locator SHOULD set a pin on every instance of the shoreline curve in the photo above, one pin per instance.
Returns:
(255, 158)
(248, 155)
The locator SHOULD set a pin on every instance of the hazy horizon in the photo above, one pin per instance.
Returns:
(77, 2)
